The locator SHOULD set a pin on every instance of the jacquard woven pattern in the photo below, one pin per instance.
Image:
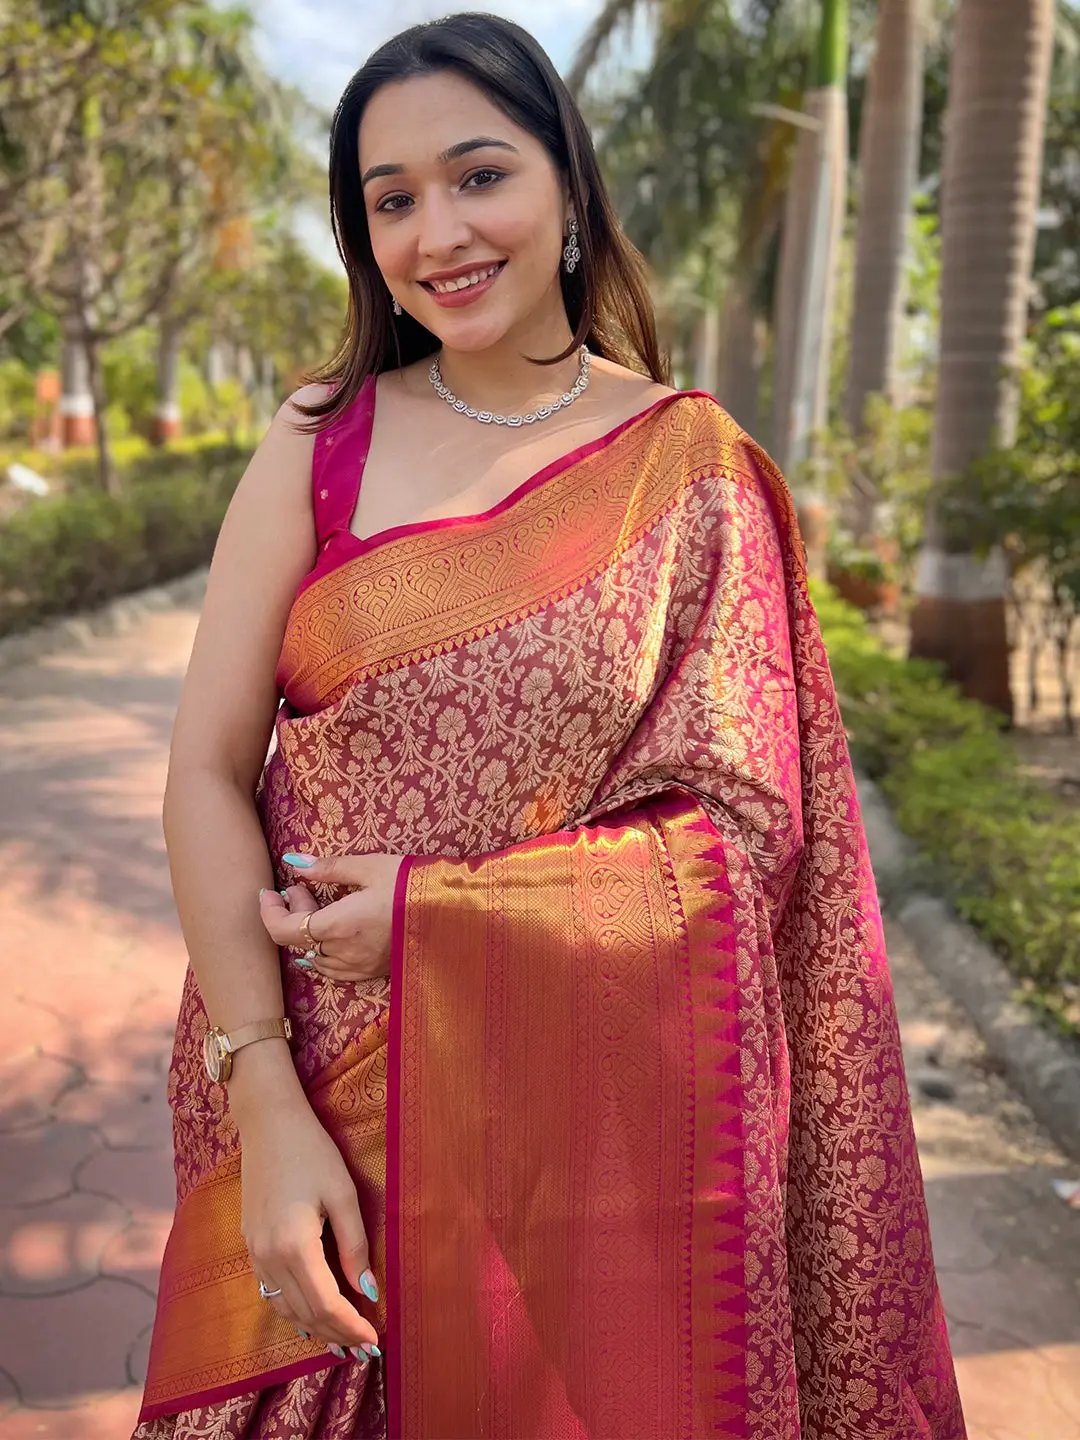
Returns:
(632, 635)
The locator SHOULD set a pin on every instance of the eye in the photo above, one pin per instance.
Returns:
(388, 203)
(489, 177)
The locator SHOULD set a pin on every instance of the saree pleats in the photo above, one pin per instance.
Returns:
(628, 1121)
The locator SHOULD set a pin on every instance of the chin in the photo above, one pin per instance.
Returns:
(469, 336)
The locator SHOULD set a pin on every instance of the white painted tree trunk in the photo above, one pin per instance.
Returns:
(992, 173)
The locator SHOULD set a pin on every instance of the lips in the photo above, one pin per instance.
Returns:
(469, 294)
(463, 280)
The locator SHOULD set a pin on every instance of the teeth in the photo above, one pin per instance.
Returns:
(447, 287)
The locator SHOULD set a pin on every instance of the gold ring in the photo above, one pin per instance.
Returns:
(305, 930)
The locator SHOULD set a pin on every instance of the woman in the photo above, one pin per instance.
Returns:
(592, 1118)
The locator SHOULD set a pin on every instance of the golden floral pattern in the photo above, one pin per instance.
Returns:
(640, 623)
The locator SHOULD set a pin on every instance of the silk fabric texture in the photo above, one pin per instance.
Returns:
(628, 1121)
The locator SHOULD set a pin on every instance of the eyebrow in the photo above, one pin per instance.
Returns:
(455, 152)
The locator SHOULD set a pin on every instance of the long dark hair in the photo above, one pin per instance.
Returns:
(607, 298)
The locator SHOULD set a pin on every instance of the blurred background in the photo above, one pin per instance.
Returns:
(862, 221)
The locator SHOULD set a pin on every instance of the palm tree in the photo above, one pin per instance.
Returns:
(813, 225)
(888, 162)
(998, 90)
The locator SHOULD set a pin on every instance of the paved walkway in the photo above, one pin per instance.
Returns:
(91, 971)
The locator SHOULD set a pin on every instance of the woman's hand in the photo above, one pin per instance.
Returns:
(354, 932)
(293, 1178)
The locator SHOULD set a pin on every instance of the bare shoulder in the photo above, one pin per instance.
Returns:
(627, 391)
(290, 416)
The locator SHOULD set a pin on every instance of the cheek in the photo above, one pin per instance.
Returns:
(519, 233)
(390, 247)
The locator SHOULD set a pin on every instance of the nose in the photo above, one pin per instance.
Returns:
(443, 227)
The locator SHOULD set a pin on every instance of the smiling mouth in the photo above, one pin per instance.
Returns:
(462, 282)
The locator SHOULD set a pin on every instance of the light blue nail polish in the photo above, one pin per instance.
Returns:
(368, 1286)
(262, 891)
(298, 861)
(359, 1354)
(303, 964)
(304, 1334)
(375, 1350)
(284, 894)
(336, 1350)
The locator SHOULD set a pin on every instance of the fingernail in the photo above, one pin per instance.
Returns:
(336, 1350)
(374, 1350)
(302, 963)
(359, 1353)
(262, 891)
(304, 1334)
(298, 861)
(284, 894)
(368, 1286)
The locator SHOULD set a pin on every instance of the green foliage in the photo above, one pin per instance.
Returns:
(74, 551)
(889, 462)
(16, 398)
(1006, 851)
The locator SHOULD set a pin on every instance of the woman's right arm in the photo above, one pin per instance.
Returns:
(293, 1173)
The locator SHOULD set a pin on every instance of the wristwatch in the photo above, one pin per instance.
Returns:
(219, 1048)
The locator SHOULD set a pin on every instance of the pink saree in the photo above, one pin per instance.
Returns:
(628, 1122)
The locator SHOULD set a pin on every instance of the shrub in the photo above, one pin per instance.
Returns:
(1005, 850)
(73, 551)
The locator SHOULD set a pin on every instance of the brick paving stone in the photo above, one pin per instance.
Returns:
(101, 1417)
(40, 1163)
(58, 1246)
(139, 1356)
(128, 1116)
(141, 1178)
(8, 1394)
(31, 1086)
(59, 1351)
(26, 1029)
(134, 1253)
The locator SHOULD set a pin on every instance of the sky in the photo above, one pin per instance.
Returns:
(318, 44)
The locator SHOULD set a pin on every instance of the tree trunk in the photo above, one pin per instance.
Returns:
(888, 164)
(813, 226)
(76, 401)
(706, 338)
(739, 358)
(993, 160)
(107, 476)
(167, 422)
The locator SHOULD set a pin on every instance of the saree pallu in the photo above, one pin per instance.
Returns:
(628, 1121)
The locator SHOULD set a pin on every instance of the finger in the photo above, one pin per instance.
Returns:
(355, 871)
(350, 1237)
(333, 1318)
(300, 900)
(285, 925)
(291, 1304)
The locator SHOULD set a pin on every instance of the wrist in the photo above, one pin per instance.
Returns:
(264, 1082)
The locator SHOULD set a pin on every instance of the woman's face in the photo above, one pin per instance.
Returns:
(468, 194)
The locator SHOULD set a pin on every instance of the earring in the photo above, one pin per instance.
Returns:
(394, 305)
(572, 253)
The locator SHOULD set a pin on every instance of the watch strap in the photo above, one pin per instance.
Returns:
(258, 1030)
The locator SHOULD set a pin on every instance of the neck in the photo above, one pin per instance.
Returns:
(501, 379)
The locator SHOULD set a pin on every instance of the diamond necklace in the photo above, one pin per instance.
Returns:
(487, 418)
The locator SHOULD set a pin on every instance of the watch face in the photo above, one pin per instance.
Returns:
(212, 1055)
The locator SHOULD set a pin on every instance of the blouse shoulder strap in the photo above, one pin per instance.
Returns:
(337, 463)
